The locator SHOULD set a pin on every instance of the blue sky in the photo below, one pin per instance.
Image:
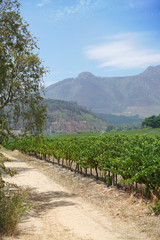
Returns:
(105, 37)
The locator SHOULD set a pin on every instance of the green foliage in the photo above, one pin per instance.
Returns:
(13, 205)
(10, 144)
(21, 72)
(153, 121)
(4, 169)
(109, 180)
(155, 209)
(110, 128)
(143, 131)
(135, 158)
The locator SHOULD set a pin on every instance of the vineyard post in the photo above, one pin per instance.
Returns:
(96, 172)
(116, 179)
(77, 168)
(113, 179)
(62, 162)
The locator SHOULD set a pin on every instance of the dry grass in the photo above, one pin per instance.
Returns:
(49, 234)
(124, 207)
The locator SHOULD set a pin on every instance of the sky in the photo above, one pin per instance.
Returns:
(105, 37)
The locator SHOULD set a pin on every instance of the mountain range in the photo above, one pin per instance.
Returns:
(129, 95)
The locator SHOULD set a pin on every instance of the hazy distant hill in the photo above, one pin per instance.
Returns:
(139, 94)
(121, 120)
(65, 116)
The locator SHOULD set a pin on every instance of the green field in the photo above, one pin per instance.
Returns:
(144, 131)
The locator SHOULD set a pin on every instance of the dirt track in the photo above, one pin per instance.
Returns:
(61, 214)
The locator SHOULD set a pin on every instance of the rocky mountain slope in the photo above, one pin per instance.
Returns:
(129, 95)
(67, 116)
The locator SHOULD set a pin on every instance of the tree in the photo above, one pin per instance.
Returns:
(21, 73)
(153, 121)
(110, 128)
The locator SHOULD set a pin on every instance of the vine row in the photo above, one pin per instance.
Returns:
(134, 159)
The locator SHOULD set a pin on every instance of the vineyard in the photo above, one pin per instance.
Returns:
(118, 159)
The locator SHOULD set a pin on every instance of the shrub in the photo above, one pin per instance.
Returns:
(13, 202)
(10, 144)
(13, 205)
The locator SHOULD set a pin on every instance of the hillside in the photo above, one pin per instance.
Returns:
(120, 120)
(67, 116)
(129, 95)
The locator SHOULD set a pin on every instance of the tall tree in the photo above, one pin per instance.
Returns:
(21, 72)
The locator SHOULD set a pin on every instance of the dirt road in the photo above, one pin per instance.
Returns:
(61, 214)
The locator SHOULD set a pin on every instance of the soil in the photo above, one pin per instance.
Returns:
(68, 206)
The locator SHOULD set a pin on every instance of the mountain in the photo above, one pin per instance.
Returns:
(67, 116)
(130, 95)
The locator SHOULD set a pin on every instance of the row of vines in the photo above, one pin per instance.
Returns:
(135, 159)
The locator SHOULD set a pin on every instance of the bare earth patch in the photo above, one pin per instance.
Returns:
(71, 207)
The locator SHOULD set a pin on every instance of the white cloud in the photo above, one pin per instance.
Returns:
(125, 51)
(43, 3)
(69, 10)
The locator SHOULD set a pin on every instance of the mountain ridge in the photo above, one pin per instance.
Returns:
(128, 95)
